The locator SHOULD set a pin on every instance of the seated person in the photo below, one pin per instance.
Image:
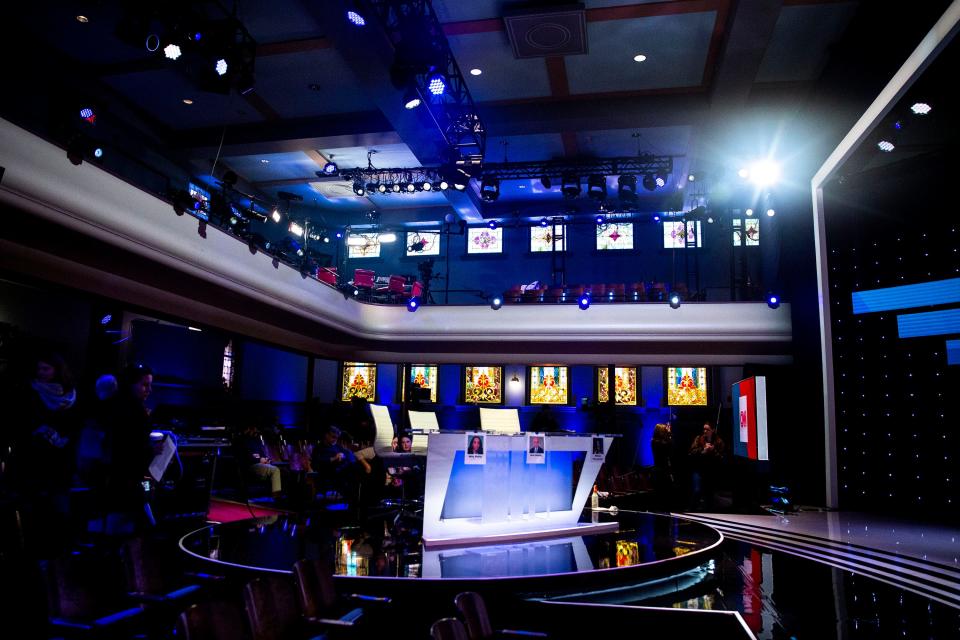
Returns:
(253, 455)
(333, 461)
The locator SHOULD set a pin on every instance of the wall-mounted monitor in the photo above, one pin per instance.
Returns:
(686, 386)
(484, 240)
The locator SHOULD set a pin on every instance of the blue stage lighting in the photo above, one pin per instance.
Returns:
(339, 234)
(674, 300)
(600, 219)
(197, 36)
(437, 84)
(496, 302)
(656, 218)
(492, 224)
(543, 222)
(330, 168)
(356, 19)
(221, 67)
(98, 152)
(413, 304)
(87, 114)
(584, 301)
(773, 300)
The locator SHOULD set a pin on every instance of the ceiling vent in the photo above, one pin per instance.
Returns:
(542, 33)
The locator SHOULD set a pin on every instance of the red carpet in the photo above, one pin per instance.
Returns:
(223, 511)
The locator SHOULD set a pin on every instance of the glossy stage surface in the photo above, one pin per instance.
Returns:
(644, 544)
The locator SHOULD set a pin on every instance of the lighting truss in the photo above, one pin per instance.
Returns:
(453, 110)
(418, 177)
(637, 165)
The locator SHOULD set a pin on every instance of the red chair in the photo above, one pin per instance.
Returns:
(328, 275)
(363, 278)
(416, 289)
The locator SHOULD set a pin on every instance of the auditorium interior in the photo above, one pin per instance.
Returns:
(479, 318)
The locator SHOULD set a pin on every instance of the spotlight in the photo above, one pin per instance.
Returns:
(584, 301)
(656, 217)
(356, 19)
(496, 302)
(411, 187)
(387, 237)
(172, 51)
(691, 177)
(275, 216)
(659, 180)
(771, 212)
(382, 187)
(597, 187)
(395, 187)
(413, 304)
(339, 235)
(764, 173)
(710, 220)
(627, 186)
(886, 146)
(489, 188)
(600, 219)
(98, 152)
(87, 114)
(295, 229)
(426, 185)
(330, 168)
(437, 84)
(221, 67)
(921, 108)
(444, 185)
(570, 185)
(543, 222)
(649, 183)
(492, 224)
(546, 182)
(411, 100)
(674, 300)
(749, 212)
(744, 173)
(358, 188)
(773, 300)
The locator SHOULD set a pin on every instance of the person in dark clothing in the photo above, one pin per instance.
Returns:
(706, 456)
(337, 464)
(662, 447)
(253, 453)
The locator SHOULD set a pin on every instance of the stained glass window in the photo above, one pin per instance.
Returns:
(483, 385)
(425, 376)
(363, 245)
(686, 386)
(751, 232)
(625, 387)
(673, 234)
(227, 370)
(541, 238)
(423, 243)
(359, 381)
(615, 235)
(484, 240)
(549, 385)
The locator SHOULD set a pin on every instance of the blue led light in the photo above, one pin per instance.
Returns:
(584, 301)
(356, 19)
(98, 152)
(437, 84)
(492, 224)
(197, 36)
(933, 323)
(908, 296)
(600, 219)
(87, 114)
(413, 304)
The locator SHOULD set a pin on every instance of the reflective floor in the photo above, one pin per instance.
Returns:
(379, 550)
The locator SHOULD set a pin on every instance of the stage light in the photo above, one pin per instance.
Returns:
(339, 235)
(426, 185)
(489, 188)
(411, 187)
(172, 51)
(597, 187)
(546, 182)
(514, 380)
(764, 173)
(886, 146)
(639, 57)
(87, 114)
(710, 220)
(570, 185)
(599, 219)
(773, 300)
(492, 224)
(543, 222)
(295, 229)
(921, 108)
(411, 100)
(656, 217)
(413, 304)
(444, 185)
(674, 300)
(649, 183)
(659, 180)
(356, 19)
(221, 67)
(359, 189)
(83, 19)
(395, 187)
(188, 101)
(476, 72)
(233, 221)
(691, 177)
(98, 152)
(275, 215)
(584, 301)
(749, 213)
(330, 168)
(771, 212)
(496, 302)
(627, 186)
(387, 237)
(382, 187)
(356, 241)
(437, 84)
(744, 173)
(325, 238)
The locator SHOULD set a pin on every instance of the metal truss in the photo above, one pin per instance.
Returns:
(638, 165)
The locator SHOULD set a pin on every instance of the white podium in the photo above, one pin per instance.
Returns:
(507, 498)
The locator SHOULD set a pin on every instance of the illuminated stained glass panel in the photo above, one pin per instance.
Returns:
(541, 238)
(424, 375)
(686, 386)
(673, 234)
(615, 236)
(628, 553)
(363, 245)
(751, 232)
(483, 385)
(549, 384)
(484, 240)
(423, 243)
(625, 387)
(359, 381)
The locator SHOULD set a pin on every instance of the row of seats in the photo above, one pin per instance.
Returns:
(391, 288)
(620, 292)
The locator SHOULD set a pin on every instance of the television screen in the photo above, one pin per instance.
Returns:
(687, 386)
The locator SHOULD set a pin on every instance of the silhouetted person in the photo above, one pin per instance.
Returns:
(706, 454)
(662, 447)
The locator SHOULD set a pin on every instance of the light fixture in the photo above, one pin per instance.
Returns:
(744, 173)
(437, 83)
(771, 212)
(764, 173)
(382, 187)
(543, 222)
(83, 19)
(410, 187)
(172, 51)
(387, 237)
(627, 187)
(475, 71)
(444, 185)
(597, 187)
(649, 183)
(656, 217)
(514, 379)
(659, 180)
(413, 304)
(356, 19)
(546, 182)
(88, 114)
(411, 100)
(371, 187)
(264, 161)
(492, 224)
(98, 152)
(886, 146)
(490, 188)
(570, 185)
(339, 235)
(395, 187)
(189, 101)
(358, 188)
(356, 241)
(584, 301)
(691, 177)
(599, 219)
(496, 302)
(275, 216)
(921, 108)
(426, 185)
(330, 168)
(221, 67)
(639, 57)
(674, 300)
(295, 229)
(749, 212)
(773, 300)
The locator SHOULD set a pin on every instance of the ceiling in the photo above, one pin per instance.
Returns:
(724, 82)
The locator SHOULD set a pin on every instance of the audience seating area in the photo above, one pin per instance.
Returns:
(602, 292)
(389, 289)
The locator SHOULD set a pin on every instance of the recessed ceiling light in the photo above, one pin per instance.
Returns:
(639, 57)
(920, 108)
(475, 72)
(83, 19)
(187, 101)
(264, 161)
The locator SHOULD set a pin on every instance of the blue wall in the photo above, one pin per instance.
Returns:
(268, 373)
